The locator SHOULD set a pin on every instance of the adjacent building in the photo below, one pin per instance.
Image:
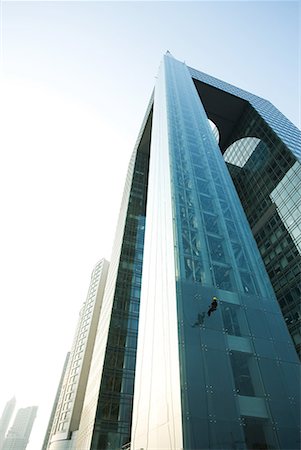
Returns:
(192, 350)
(55, 403)
(5, 419)
(65, 420)
(18, 436)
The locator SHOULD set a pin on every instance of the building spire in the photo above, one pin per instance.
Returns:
(168, 53)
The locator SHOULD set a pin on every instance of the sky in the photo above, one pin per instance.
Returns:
(76, 78)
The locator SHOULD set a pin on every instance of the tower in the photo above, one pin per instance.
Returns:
(64, 422)
(55, 403)
(5, 419)
(192, 350)
(18, 436)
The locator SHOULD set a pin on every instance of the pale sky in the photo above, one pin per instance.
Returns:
(76, 78)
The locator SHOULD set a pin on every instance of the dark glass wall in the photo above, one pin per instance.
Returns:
(270, 164)
(112, 427)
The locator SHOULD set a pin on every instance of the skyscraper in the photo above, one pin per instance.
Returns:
(55, 403)
(18, 436)
(192, 350)
(5, 419)
(229, 379)
(64, 422)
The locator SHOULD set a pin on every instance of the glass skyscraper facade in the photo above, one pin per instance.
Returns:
(208, 381)
(192, 350)
(107, 410)
(262, 149)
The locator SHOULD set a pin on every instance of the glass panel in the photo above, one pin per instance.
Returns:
(216, 363)
(239, 344)
(217, 252)
(277, 330)
(231, 230)
(226, 210)
(213, 339)
(211, 223)
(283, 410)
(234, 320)
(245, 373)
(264, 348)
(226, 435)
(259, 434)
(257, 323)
(291, 377)
(223, 277)
(239, 255)
(202, 186)
(252, 406)
(286, 352)
(247, 283)
(289, 438)
(198, 430)
(207, 203)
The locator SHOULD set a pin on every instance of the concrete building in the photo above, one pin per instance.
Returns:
(68, 410)
(55, 403)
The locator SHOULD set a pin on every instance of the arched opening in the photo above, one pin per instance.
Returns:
(240, 152)
(214, 130)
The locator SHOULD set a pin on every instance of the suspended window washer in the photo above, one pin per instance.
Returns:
(213, 306)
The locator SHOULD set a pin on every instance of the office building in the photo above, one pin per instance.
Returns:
(5, 419)
(192, 350)
(55, 403)
(68, 410)
(18, 436)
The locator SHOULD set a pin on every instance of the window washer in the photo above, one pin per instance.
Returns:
(213, 306)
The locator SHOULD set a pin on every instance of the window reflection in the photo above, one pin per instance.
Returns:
(206, 203)
(214, 130)
(216, 249)
(231, 322)
(241, 373)
(240, 151)
(247, 283)
(258, 434)
(223, 277)
(211, 223)
(239, 255)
